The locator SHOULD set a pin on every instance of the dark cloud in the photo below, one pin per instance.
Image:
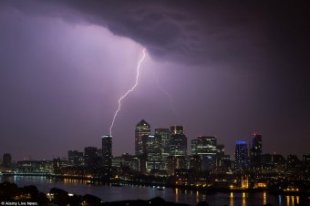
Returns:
(198, 32)
(173, 30)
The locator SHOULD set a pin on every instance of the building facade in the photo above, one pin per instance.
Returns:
(142, 131)
(256, 151)
(207, 149)
(241, 156)
(106, 151)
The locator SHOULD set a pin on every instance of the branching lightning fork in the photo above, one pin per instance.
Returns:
(129, 90)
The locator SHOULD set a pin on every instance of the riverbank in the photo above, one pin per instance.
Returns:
(11, 194)
(202, 188)
(117, 193)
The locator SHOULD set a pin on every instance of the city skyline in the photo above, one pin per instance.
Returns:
(218, 69)
(244, 148)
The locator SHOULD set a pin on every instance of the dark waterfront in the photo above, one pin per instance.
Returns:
(130, 192)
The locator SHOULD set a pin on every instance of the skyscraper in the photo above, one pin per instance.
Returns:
(241, 155)
(178, 142)
(177, 149)
(143, 130)
(165, 136)
(7, 160)
(91, 157)
(206, 147)
(256, 151)
(75, 157)
(107, 151)
(154, 152)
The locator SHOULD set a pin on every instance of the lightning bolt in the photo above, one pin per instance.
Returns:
(129, 90)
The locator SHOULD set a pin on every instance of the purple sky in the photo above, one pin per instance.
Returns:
(217, 69)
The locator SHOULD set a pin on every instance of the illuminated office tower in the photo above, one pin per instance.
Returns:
(177, 149)
(143, 130)
(178, 142)
(207, 149)
(165, 135)
(256, 151)
(107, 151)
(241, 155)
(154, 153)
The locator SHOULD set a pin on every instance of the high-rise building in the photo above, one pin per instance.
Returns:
(7, 160)
(206, 147)
(91, 157)
(143, 130)
(165, 136)
(241, 155)
(256, 151)
(107, 151)
(75, 158)
(154, 153)
(177, 150)
(178, 144)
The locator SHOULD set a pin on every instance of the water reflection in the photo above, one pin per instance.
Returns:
(231, 199)
(264, 198)
(292, 200)
(288, 201)
(204, 197)
(176, 195)
(110, 193)
(244, 199)
(197, 196)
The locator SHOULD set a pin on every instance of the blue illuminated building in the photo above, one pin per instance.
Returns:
(241, 155)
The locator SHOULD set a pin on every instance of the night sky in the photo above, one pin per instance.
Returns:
(222, 69)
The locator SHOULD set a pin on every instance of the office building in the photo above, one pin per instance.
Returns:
(7, 160)
(142, 131)
(92, 157)
(256, 151)
(178, 145)
(165, 135)
(207, 149)
(106, 151)
(241, 155)
(75, 158)
(154, 153)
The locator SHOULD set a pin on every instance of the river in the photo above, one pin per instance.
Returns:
(112, 193)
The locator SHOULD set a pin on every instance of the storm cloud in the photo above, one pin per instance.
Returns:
(195, 33)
